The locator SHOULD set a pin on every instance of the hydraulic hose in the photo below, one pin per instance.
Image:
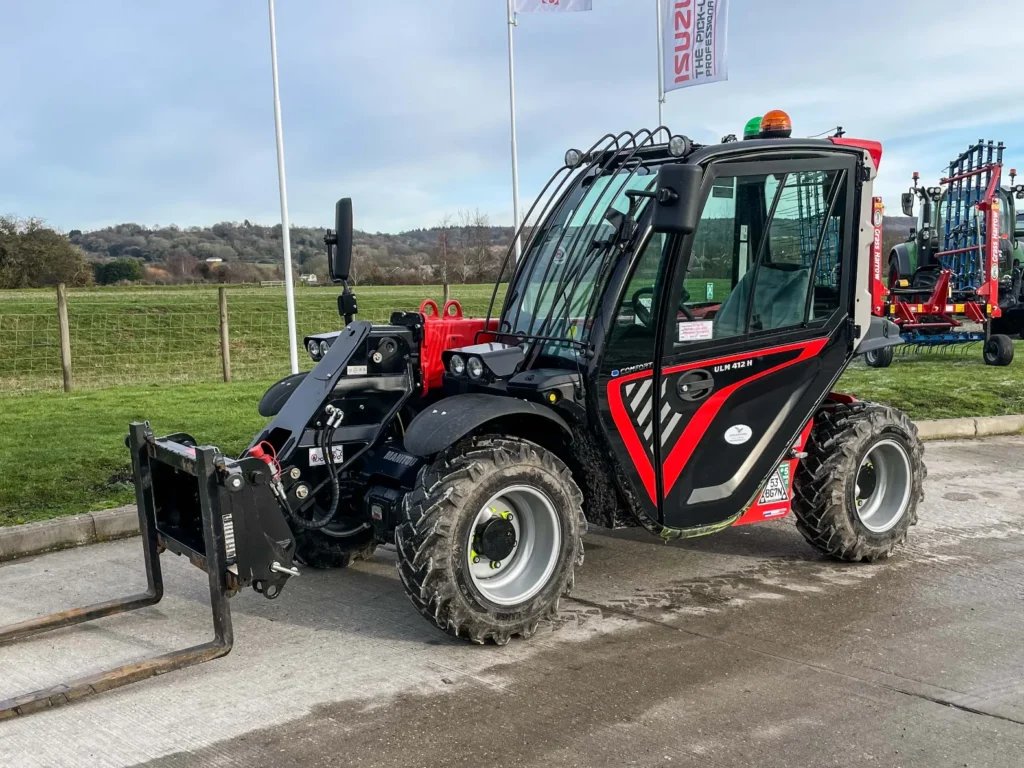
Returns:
(321, 519)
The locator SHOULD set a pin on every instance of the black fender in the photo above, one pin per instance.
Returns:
(900, 254)
(275, 397)
(447, 421)
(882, 332)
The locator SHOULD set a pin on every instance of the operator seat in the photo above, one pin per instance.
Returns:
(779, 300)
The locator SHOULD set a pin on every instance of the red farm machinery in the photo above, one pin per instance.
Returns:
(956, 282)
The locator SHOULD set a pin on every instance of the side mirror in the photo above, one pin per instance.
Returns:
(339, 243)
(677, 200)
(907, 201)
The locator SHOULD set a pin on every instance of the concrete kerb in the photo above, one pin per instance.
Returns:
(110, 524)
(63, 532)
(981, 426)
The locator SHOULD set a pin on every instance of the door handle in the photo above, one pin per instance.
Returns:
(693, 386)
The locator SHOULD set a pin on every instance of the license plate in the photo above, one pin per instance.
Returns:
(316, 456)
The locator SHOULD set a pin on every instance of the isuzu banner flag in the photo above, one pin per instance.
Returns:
(535, 6)
(694, 43)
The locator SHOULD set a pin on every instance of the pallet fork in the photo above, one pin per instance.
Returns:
(195, 502)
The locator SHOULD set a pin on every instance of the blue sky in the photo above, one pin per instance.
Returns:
(160, 112)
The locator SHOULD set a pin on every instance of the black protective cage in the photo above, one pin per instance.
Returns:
(627, 151)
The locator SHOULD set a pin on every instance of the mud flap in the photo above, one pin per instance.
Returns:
(218, 512)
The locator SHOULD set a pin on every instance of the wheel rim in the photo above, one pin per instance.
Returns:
(538, 538)
(883, 486)
(871, 356)
(991, 352)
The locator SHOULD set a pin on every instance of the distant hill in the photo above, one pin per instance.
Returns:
(898, 223)
(895, 229)
(470, 251)
(249, 251)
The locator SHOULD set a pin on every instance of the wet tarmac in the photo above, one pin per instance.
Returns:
(741, 649)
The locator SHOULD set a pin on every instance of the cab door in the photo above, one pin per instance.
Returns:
(755, 327)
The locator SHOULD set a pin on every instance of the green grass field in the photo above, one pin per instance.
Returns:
(69, 449)
(64, 454)
(171, 334)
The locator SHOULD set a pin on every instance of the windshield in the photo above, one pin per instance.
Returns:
(569, 255)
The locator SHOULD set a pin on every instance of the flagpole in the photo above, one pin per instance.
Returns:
(289, 292)
(661, 66)
(512, 109)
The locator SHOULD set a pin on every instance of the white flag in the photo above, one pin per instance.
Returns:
(695, 33)
(535, 6)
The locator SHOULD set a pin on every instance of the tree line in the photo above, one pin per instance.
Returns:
(460, 248)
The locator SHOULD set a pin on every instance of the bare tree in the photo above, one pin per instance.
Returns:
(181, 265)
(442, 259)
(474, 245)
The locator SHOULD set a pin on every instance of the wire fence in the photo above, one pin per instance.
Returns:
(174, 336)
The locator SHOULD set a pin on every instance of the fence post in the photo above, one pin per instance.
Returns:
(64, 331)
(225, 348)
(446, 292)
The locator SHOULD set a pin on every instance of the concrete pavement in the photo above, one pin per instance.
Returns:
(740, 649)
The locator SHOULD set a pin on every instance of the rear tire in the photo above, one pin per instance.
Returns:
(998, 350)
(855, 494)
(479, 482)
(879, 358)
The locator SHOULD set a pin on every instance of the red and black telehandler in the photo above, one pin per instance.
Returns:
(600, 393)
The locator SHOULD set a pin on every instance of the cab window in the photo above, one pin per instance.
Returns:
(636, 320)
(766, 255)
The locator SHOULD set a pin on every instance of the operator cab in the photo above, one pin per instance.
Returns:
(679, 289)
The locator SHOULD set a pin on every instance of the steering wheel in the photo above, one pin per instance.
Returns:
(644, 314)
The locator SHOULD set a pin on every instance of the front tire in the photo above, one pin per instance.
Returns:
(857, 491)
(490, 538)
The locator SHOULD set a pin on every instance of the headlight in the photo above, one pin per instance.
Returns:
(457, 365)
(314, 349)
(475, 367)
(324, 346)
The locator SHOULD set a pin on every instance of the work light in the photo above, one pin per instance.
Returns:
(458, 365)
(678, 146)
(475, 366)
(324, 346)
(314, 349)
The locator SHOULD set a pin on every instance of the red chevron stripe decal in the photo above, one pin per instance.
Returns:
(699, 422)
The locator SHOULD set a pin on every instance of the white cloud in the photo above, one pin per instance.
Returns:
(150, 114)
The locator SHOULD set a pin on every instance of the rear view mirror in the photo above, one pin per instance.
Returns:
(339, 245)
(907, 201)
(677, 200)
